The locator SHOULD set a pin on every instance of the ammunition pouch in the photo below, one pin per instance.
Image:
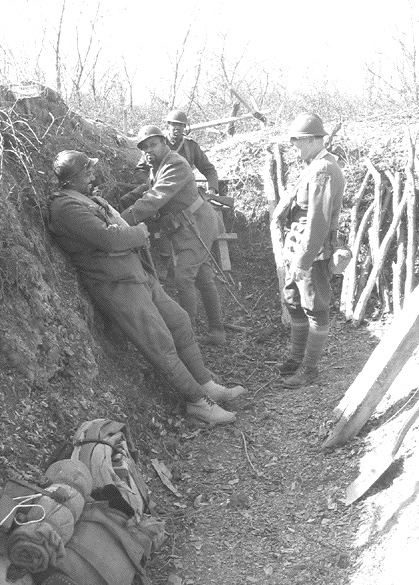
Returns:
(169, 224)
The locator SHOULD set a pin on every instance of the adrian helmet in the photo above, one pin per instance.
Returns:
(146, 132)
(69, 163)
(306, 124)
(177, 116)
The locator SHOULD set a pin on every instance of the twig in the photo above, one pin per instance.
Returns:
(274, 280)
(247, 454)
(261, 387)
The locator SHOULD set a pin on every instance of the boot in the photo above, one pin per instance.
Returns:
(208, 411)
(289, 367)
(304, 376)
(220, 393)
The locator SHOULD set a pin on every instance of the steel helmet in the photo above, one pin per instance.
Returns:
(307, 124)
(177, 116)
(69, 163)
(147, 132)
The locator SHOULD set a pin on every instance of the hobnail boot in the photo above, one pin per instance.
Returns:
(303, 377)
(289, 367)
(220, 393)
(208, 411)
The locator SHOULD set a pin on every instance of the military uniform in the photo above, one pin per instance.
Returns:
(105, 250)
(312, 234)
(311, 222)
(173, 195)
(196, 157)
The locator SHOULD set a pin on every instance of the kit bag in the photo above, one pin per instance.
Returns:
(115, 535)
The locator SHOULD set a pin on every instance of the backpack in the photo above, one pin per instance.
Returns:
(114, 536)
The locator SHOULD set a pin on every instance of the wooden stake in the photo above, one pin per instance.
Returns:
(378, 265)
(378, 374)
(348, 284)
(411, 216)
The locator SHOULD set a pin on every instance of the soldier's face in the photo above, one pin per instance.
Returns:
(83, 182)
(306, 146)
(175, 131)
(154, 148)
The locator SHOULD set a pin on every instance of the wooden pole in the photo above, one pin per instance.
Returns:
(221, 121)
(378, 374)
(346, 299)
(378, 265)
(231, 127)
(411, 216)
(352, 280)
(398, 266)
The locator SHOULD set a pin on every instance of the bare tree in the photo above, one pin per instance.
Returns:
(58, 79)
(82, 70)
(177, 75)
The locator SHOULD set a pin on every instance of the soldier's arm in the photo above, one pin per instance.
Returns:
(204, 166)
(318, 218)
(81, 221)
(171, 180)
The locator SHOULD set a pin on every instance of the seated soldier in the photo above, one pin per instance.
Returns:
(106, 252)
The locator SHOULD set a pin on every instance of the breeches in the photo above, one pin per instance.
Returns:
(193, 271)
(158, 327)
(311, 295)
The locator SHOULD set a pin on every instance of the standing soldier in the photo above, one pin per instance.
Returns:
(189, 148)
(188, 220)
(311, 222)
(105, 250)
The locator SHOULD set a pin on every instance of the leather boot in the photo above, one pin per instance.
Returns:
(208, 411)
(220, 393)
(303, 377)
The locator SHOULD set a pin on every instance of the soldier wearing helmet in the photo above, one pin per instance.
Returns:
(311, 216)
(173, 197)
(177, 123)
(105, 250)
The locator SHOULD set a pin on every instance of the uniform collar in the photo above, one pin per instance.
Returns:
(321, 154)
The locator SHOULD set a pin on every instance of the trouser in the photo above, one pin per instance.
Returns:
(158, 327)
(308, 303)
(193, 271)
(188, 278)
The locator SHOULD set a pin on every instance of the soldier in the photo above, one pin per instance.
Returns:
(177, 122)
(105, 250)
(189, 148)
(311, 221)
(188, 220)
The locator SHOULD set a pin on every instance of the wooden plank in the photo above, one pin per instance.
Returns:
(222, 121)
(378, 374)
(223, 254)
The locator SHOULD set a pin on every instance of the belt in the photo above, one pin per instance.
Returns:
(195, 205)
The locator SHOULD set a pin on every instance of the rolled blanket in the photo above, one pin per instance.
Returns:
(62, 517)
(73, 473)
(4, 566)
(35, 546)
(50, 524)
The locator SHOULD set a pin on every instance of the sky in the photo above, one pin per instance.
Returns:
(326, 39)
